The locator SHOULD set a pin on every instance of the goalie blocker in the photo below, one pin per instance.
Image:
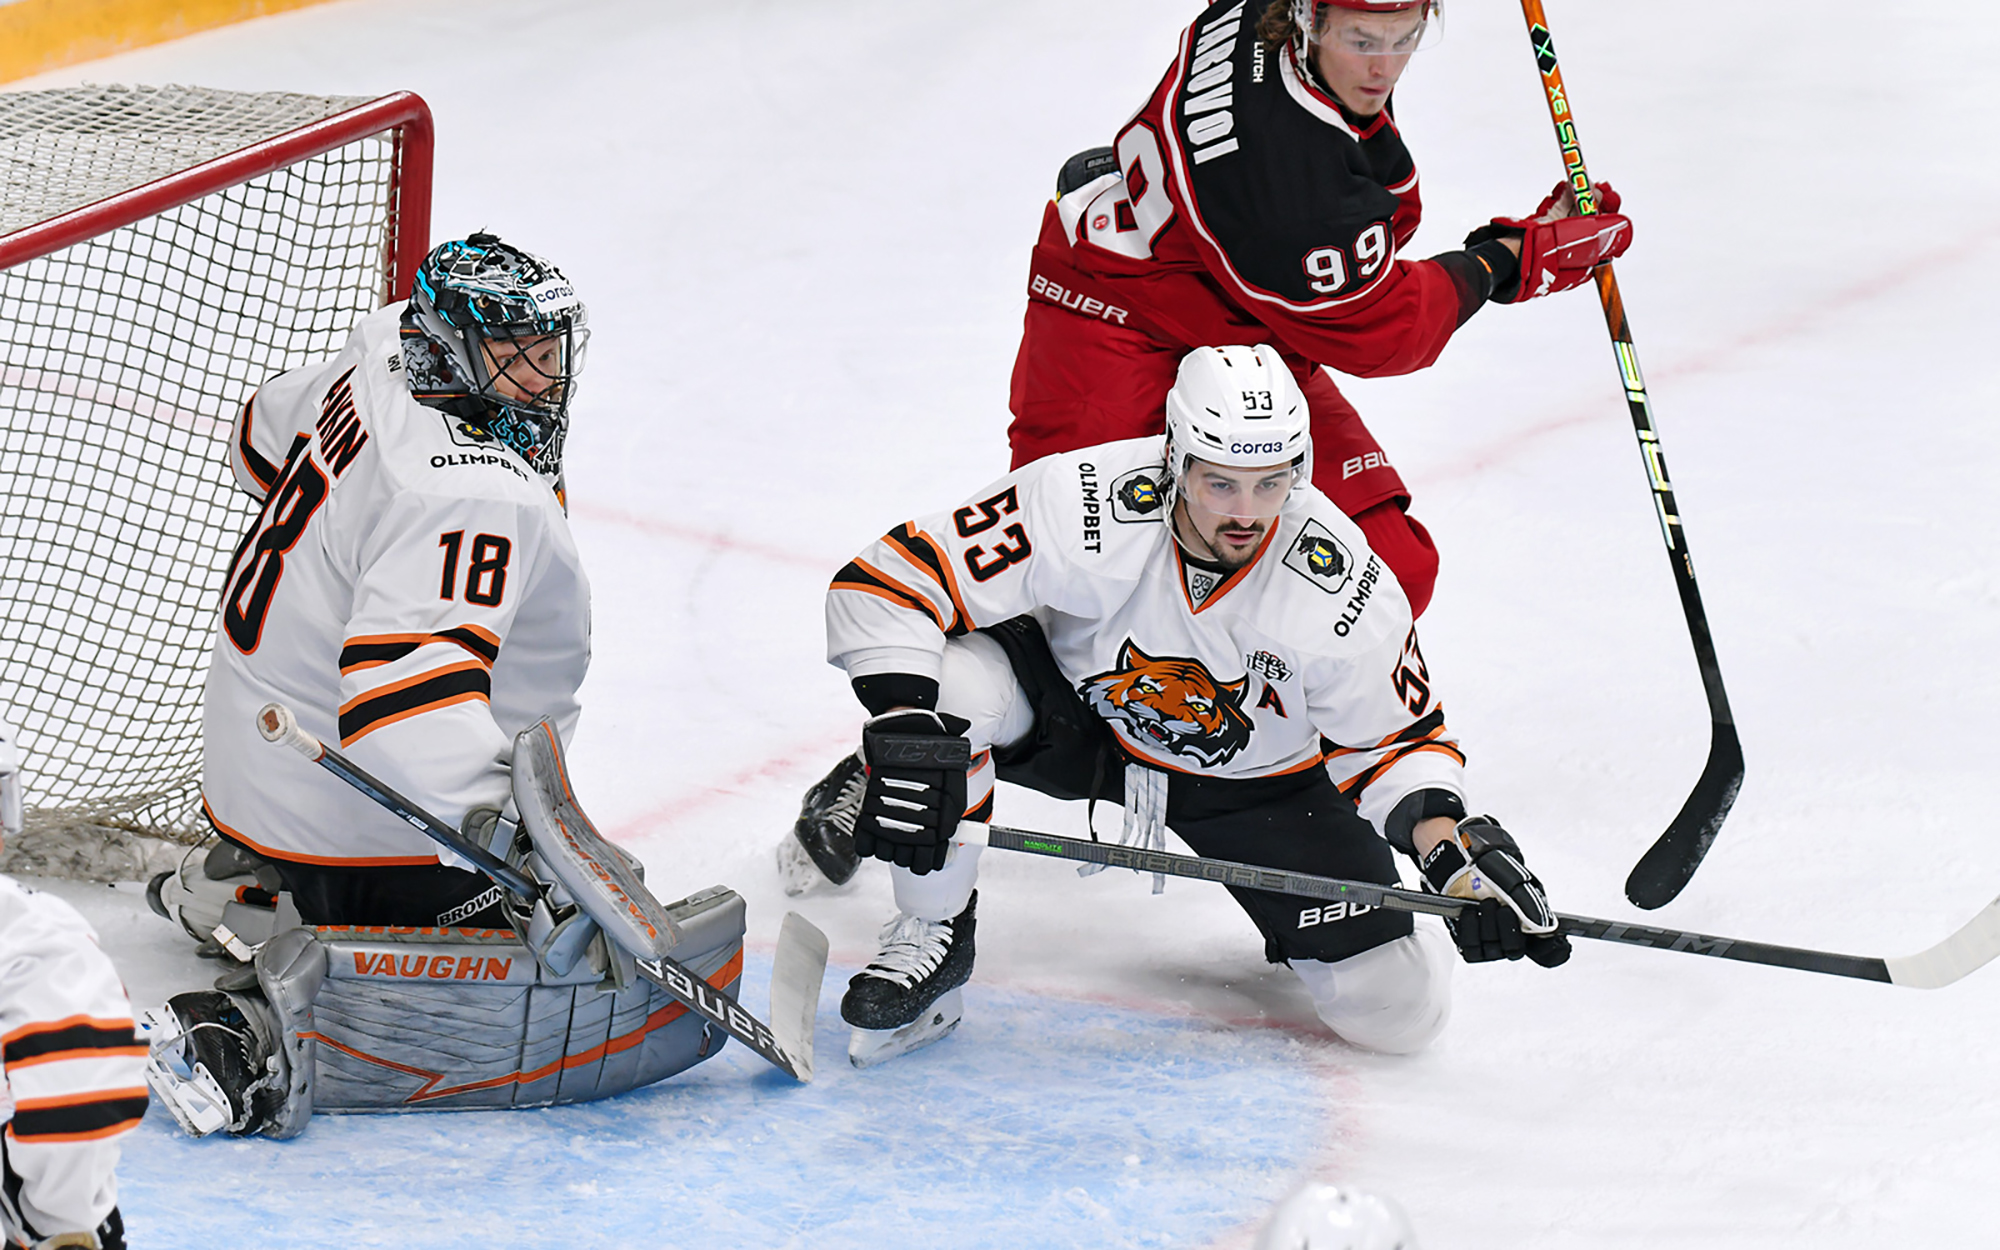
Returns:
(363, 1019)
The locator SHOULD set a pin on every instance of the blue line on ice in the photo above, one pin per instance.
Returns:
(1042, 1122)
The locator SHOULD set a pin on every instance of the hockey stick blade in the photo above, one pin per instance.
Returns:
(1666, 867)
(279, 727)
(797, 972)
(1972, 947)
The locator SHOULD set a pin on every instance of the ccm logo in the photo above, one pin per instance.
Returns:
(1253, 449)
(1333, 912)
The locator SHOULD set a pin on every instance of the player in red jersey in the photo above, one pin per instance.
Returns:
(1262, 195)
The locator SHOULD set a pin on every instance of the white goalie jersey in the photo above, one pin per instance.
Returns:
(1305, 657)
(410, 590)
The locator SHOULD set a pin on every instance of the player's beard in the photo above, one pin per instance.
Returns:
(1210, 547)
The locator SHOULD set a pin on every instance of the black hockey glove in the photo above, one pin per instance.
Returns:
(916, 789)
(1513, 917)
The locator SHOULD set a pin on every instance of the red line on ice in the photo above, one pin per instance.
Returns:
(706, 538)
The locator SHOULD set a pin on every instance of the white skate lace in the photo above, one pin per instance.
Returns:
(912, 949)
(846, 804)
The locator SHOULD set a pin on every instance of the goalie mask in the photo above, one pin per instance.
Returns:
(496, 337)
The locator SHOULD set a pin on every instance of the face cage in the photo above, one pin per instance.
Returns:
(1306, 17)
(552, 398)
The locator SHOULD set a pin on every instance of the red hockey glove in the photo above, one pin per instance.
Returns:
(1559, 249)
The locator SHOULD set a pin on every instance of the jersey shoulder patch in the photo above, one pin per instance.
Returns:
(1139, 496)
(1320, 557)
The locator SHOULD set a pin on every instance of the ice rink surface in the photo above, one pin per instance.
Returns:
(802, 230)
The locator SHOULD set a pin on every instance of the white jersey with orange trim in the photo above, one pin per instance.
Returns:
(74, 1078)
(1226, 676)
(410, 590)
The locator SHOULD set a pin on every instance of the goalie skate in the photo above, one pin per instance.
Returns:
(209, 1059)
(908, 996)
(820, 848)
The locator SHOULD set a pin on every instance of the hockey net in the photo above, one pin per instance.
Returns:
(163, 251)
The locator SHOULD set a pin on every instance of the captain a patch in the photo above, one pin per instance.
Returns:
(1320, 558)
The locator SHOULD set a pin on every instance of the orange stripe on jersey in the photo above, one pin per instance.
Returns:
(329, 861)
(922, 553)
(917, 596)
(937, 562)
(375, 650)
(464, 682)
(77, 1117)
(857, 576)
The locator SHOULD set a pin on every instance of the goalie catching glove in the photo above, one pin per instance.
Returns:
(1481, 861)
(916, 788)
(1558, 248)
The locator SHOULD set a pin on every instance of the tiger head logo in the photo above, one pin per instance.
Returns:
(1172, 703)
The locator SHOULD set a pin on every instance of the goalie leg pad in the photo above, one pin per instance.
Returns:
(409, 1020)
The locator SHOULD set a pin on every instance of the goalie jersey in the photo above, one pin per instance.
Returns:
(1304, 657)
(410, 590)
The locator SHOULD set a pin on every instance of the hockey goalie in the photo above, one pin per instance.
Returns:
(70, 1083)
(410, 588)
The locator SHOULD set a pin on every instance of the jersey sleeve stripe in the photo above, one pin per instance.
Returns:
(458, 683)
(1429, 728)
(483, 643)
(859, 576)
(261, 470)
(930, 608)
(937, 563)
(919, 550)
(373, 650)
(100, 1113)
(71, 1038)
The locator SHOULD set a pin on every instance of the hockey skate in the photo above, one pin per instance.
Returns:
(908, 997)
(820, 848)
(210, 1059)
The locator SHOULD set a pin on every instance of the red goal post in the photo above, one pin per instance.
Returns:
(163, 251)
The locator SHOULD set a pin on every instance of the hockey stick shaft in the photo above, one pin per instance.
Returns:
(279, 726)
(1664, 870)
(1366, 894)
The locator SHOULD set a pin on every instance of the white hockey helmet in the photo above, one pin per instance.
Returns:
(1331, 1217)
(1240, 407)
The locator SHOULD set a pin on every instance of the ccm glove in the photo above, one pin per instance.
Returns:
(916, 789)
(1558, 248)
(1513, 918)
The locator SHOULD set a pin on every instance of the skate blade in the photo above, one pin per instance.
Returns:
(868, 1047)
(796, 871)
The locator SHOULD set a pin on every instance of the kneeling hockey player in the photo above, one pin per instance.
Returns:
(411, 591)
(1187, 627)
(68, 1063)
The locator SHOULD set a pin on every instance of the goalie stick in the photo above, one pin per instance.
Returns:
(1664, 870)
(1971, 948)
(786, 1044)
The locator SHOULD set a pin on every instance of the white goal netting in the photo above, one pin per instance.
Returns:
(123, 358)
